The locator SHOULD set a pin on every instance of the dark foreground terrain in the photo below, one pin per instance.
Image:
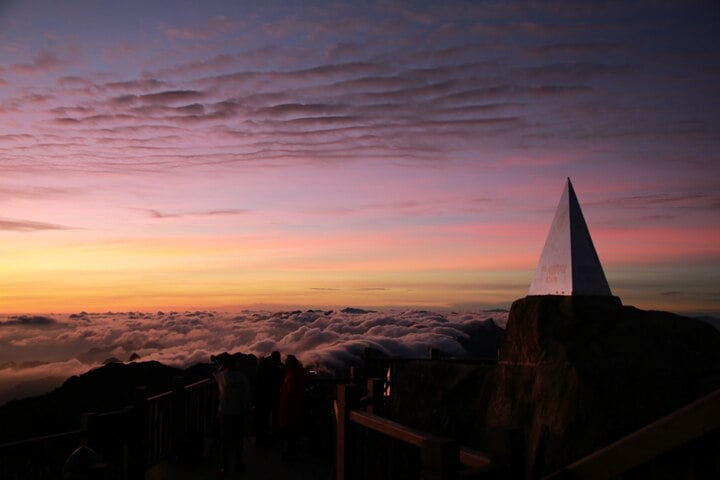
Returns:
(573, 375)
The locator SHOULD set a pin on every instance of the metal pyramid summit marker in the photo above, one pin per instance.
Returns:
(569, 264)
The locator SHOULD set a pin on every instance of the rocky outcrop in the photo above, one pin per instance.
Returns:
(576, 373)
(438, 397)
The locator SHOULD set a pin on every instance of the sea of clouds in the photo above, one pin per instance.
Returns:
(39, 352)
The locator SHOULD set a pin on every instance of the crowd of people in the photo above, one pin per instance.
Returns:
(261, 397)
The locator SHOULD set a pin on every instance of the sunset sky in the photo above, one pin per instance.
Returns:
(227, 154)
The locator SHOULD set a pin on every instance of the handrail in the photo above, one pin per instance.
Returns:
(474, 458)
(197, 384)
(388, 427)
(683, 425)
(130, 439)
(112, 413)
(170, 393)
(160, 396)
(40, 439)
(439, 457)
(467, 456)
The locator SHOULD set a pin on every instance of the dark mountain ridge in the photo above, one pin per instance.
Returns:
(107, 388)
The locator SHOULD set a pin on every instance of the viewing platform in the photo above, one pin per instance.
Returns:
(361, 443)
(261, 463)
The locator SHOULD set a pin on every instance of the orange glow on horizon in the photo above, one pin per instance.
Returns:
(434, 266)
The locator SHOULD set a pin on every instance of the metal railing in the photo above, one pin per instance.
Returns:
(128, 440)
(38, 457)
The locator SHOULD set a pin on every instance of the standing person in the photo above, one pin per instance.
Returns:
(292, 405)
(233, 406)
(271, 374)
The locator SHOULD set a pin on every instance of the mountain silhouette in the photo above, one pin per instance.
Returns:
(110, 387)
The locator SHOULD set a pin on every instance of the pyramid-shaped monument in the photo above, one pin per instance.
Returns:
(569, 264)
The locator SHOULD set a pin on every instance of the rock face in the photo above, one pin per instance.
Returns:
(438, 397)
(576, 373)
(443, 397)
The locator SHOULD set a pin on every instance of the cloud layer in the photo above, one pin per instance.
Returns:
(39, 348)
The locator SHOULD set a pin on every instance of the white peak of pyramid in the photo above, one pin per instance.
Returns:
(569, 264)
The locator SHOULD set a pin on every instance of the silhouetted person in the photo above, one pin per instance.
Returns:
(233, 406)
(250, 367)
(292, 405)
(267, 396)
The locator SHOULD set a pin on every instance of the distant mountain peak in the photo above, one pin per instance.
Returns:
(356, 311)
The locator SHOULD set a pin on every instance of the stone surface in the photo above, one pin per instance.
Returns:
(438, 397)
(576, 373)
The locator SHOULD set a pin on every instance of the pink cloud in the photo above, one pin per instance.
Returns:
(123, 51)
(213, 27)
(657, 245)
(28, 225)
(211, 65)
(44, 61)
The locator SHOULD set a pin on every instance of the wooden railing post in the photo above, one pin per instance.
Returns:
(87, 427)
(355, 375)
(440, 459)
(210, 410)
(348, 397)
(177, 424)
(375, 392)
(139, 434)
(129, 438)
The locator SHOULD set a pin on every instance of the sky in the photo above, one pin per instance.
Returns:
(224, 154)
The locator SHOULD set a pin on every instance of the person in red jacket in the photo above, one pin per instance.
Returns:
(291, 415)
